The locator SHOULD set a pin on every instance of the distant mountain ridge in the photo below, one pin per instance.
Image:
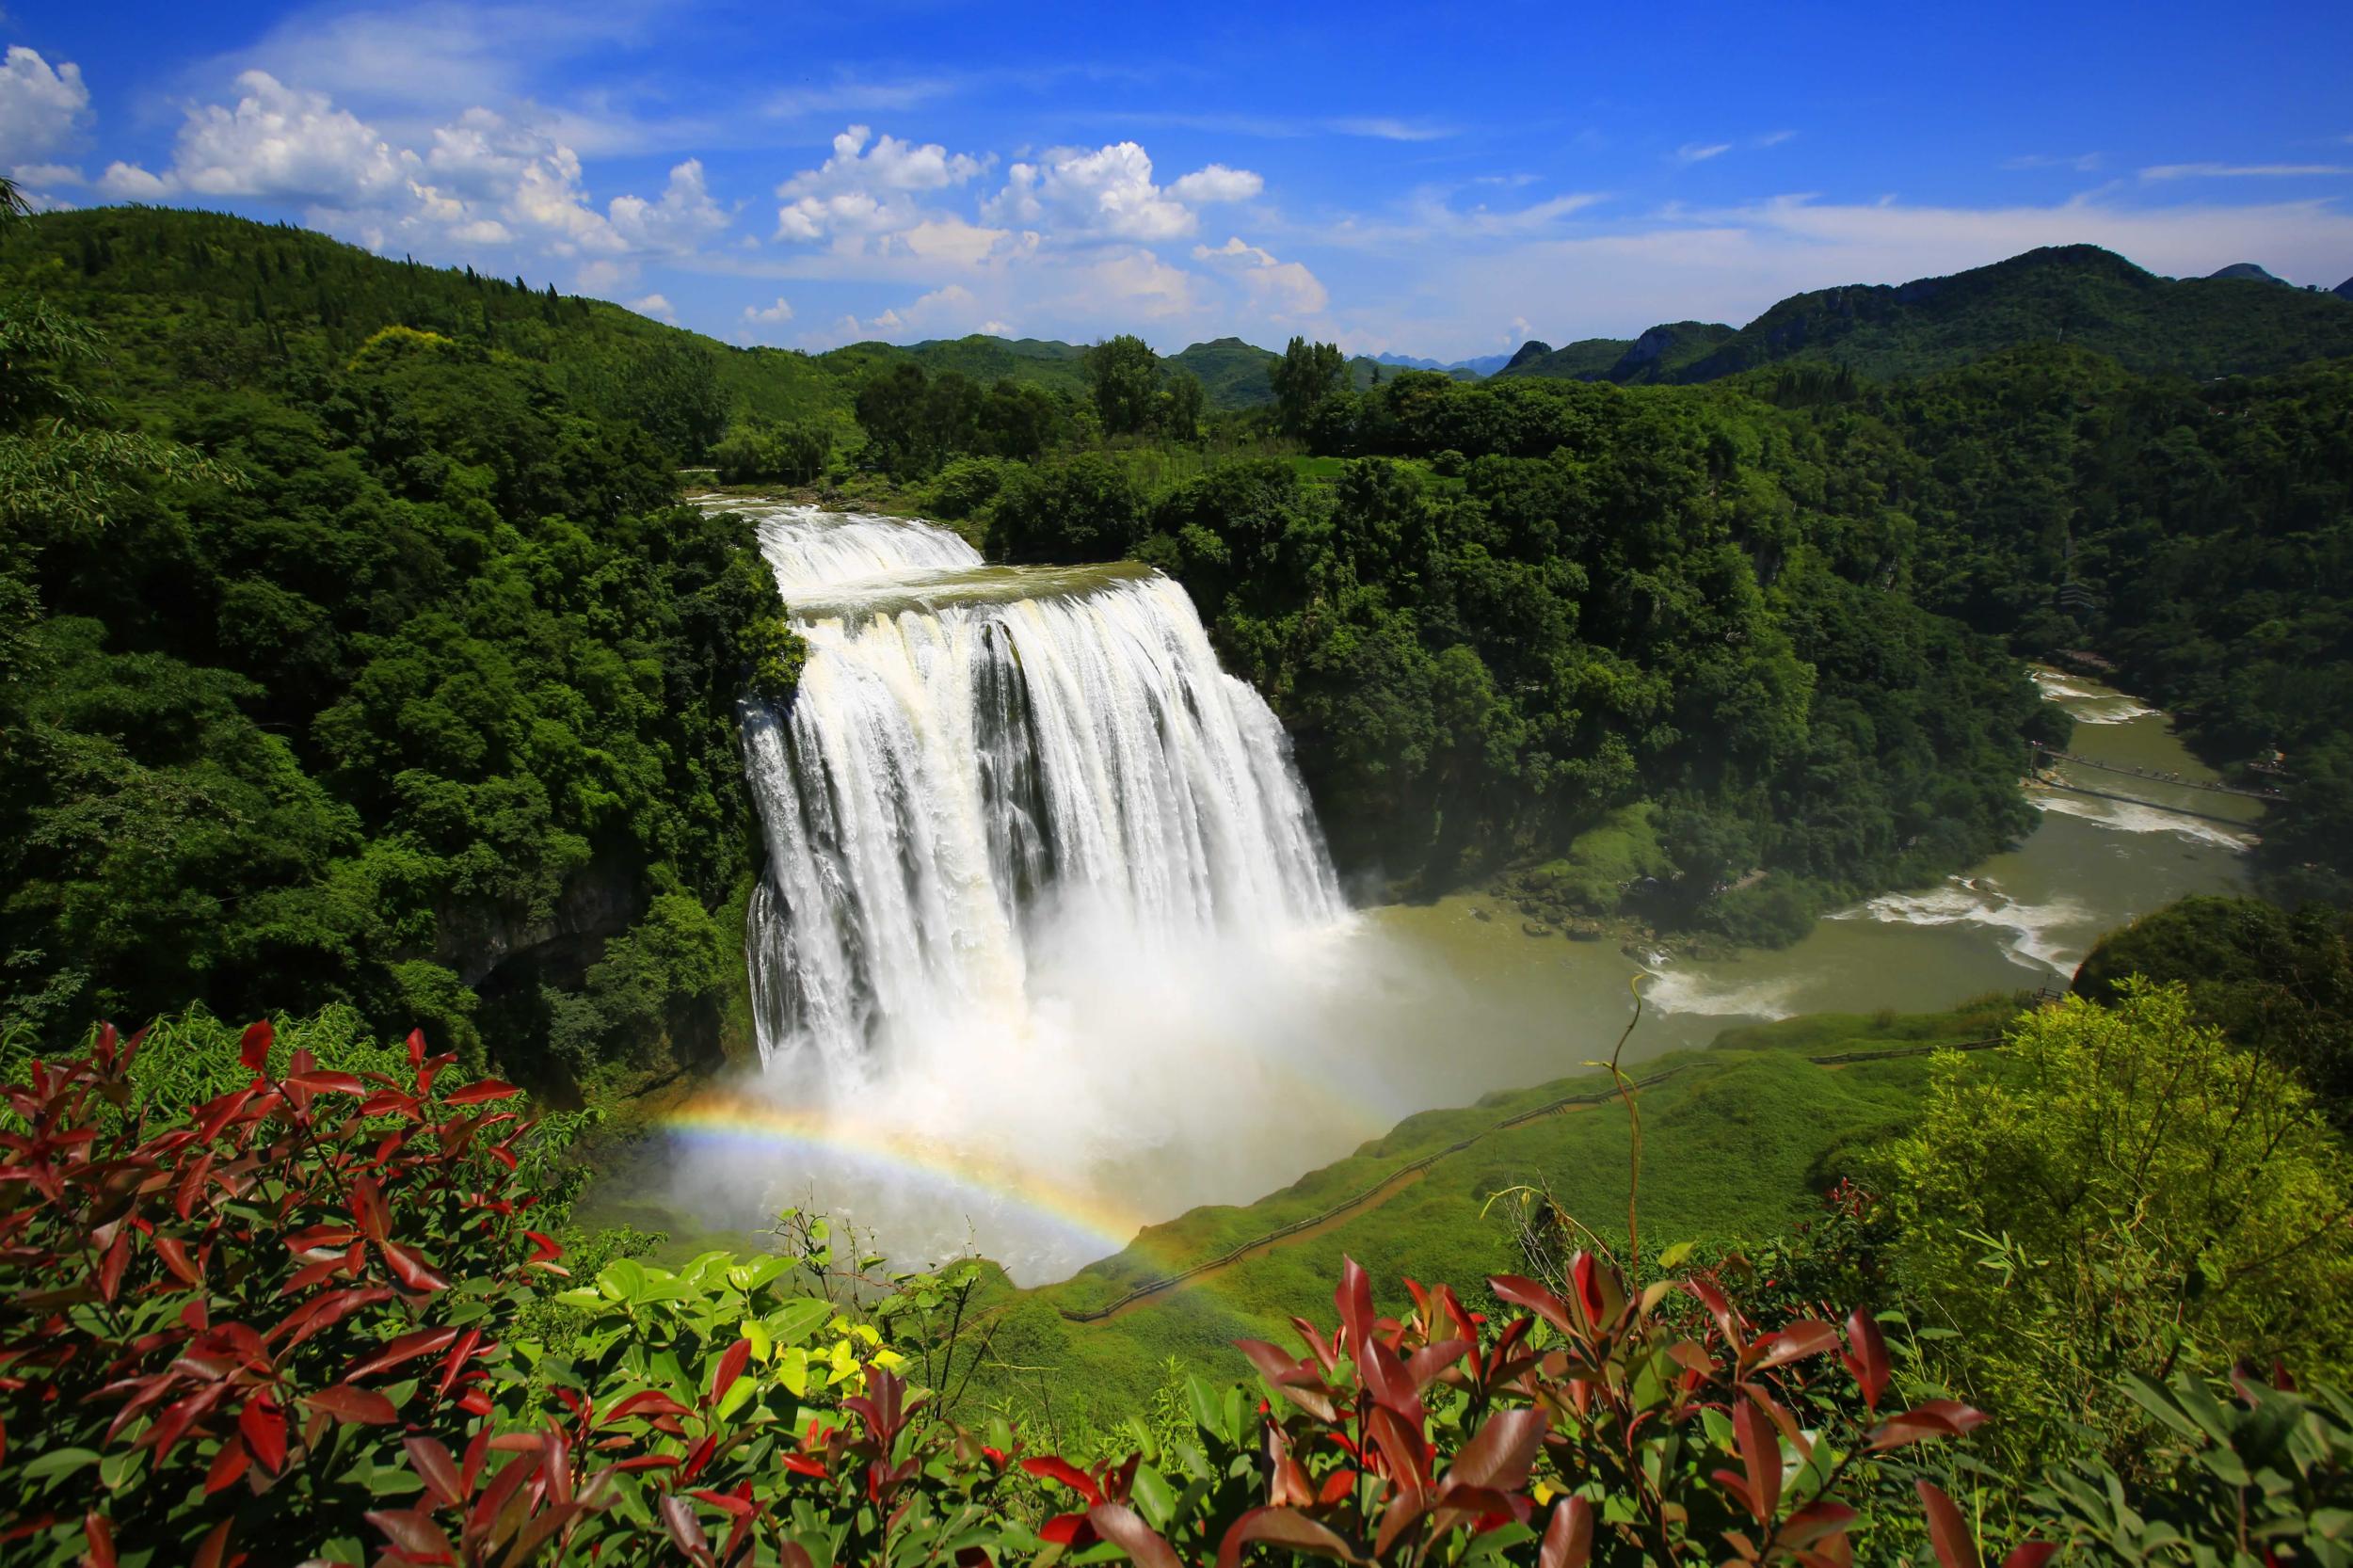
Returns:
(2241, 321)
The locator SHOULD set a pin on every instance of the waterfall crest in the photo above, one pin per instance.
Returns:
(978, 759)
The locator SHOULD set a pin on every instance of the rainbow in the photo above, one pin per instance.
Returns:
(737, 1121)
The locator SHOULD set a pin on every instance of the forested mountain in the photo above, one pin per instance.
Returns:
(2076, 294)
(1586, 359)
(2232, 324)
(406, 685)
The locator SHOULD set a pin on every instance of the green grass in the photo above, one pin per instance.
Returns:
(1736, 1145)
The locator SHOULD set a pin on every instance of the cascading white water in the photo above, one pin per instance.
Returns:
(996, 791)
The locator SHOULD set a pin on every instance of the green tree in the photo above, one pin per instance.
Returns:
(1124, 377)
(1304, 378)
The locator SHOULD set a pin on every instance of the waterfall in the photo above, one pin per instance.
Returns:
(1040, 881)
(973, 747)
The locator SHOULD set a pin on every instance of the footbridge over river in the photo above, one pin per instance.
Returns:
(2041, 757)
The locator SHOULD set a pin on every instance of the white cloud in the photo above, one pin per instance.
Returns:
(1073, 194)
(483, 179)
(130, 182)
(280, 142)
(1774, 138)
(1276, 288)
(1216, 184)
(949, 312)
(1695, 152)
(772, 315)
(682, 222)
(861, 192)
(47, 174)
(2239, 171)
(42, 107)
(657, 306)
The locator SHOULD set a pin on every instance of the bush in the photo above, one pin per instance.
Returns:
(310, 1313)
(2126, 1193)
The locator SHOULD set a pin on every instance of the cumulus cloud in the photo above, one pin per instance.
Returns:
(1276, 288)
(657, 306)
(482, 179)
(43, 109)
(772, 315)
(1107, 193)
(1216, 184)
(864, 191)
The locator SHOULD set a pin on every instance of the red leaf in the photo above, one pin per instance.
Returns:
(368, 1211)
(1948, 1532)
(215, 1549)
(264, 1427)
(474, 1094)
(227, 1464)
(2030, 1554)
(175, 1255)
(361, 1406)
(413, 1535)
(1120, 1525)
(1053, 1469)
(1868, 1361)
(686, 1530)
(650, 1403)
(110, 1267)
(1569, 1539)
(1281, 1526)
(416, 1047)
(731, 1368)
(323, 1083)
(253, 1050)
(1760, 1452)
(410, 1270)
(1795, 1342)
(1353, 1297)
(101, 1536)
(425, 1341)
(1527, 1293)
(1498, 1456)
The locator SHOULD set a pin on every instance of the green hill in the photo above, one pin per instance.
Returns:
(2078, 295)
(194, 297)
(1586, 359)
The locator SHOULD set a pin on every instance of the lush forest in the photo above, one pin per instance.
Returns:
(357, 663)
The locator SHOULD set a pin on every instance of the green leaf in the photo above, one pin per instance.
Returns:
(56, 1461)
(1153, 1497)
(792, 1371)
(1672, 1257)
(798, 1318)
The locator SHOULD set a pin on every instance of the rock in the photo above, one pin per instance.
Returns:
(1536, 928)
(1583, 931)
(1480, 915)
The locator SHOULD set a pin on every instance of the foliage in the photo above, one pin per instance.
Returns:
(304, 1315)
(2251, 1474)
(1085, 508)
(408, 694)
(2131, 1193)
(757, 450)
(2272, 981)
(1304, 378)
(1136, 394)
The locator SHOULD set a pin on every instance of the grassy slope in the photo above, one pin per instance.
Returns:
(1733, 1146)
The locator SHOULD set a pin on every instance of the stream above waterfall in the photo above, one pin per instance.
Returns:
(1048, 947)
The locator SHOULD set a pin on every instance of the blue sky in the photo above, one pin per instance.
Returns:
(1438, 181)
